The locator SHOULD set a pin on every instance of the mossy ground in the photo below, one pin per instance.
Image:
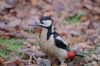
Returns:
(9, 46)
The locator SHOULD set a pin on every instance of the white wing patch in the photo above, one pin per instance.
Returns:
(53, 49)
(59, 38)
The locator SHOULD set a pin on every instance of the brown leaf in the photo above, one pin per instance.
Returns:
(83, 18)
(31, 40)
(75, 40)
(1, 61)
(47, 10)
(34, 2)
(37, 30)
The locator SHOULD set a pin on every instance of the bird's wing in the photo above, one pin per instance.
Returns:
(60, 43)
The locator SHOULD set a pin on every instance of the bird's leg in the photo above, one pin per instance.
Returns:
(62, 60)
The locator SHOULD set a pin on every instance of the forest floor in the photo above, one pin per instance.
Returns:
(77, 21)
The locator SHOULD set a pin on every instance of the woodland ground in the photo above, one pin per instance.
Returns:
(77, 21)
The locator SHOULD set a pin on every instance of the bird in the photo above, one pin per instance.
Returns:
(56, 44)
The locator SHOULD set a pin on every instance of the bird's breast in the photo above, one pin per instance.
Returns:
(50, 48)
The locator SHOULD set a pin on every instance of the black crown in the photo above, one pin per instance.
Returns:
(45, 18)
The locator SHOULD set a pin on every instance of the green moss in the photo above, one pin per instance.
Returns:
(7, 46)
(75, 18)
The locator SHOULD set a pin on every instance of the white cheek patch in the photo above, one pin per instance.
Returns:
(38, 22)
(46, 23)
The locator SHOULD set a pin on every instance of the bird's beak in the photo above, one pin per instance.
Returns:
(35, 24)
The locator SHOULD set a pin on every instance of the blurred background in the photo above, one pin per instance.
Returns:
(77, 21)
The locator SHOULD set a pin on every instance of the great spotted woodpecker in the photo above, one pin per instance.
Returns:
(57, 45)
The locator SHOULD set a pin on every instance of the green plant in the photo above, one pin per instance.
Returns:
(9, 46)
(75, 18)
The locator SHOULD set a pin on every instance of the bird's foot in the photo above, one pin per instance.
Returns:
(64, 64)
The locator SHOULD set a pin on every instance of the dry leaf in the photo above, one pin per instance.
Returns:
(34, 2)
(83, 18)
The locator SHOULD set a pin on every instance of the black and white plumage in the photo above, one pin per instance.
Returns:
(46, 22)
(57, 46)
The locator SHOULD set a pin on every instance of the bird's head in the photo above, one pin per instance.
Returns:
(45, 22)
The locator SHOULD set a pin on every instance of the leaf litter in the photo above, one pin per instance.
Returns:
(77, 23)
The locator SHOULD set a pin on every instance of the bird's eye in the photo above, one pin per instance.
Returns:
(42, 22)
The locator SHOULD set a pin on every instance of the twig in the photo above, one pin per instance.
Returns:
(30, 59)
